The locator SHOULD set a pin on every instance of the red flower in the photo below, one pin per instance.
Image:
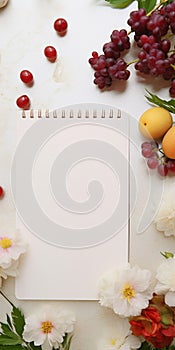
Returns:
(152, 314)
(156, 323)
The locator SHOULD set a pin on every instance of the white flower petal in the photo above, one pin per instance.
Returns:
(60, 323)
(165, 219)
(119, 338)
(40, 339)
(13, 252)
(165, 277)
(170, 298)
(129, 291)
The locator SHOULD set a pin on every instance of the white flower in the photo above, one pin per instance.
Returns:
(9, 271)
(106, 287)
(165, 219)
(11, 247)
(120, 338)
(48, 327)
(128, 293)
(166, 281)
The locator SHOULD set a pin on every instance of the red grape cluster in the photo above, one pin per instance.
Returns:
(156, 56)
(156, 159)
(110, 65)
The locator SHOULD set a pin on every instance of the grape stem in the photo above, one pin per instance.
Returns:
(160, 150)
(132, 62)
(157, 7)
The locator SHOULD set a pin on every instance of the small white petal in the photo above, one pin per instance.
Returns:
(170, 298)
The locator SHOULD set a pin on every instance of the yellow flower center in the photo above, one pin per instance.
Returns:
(5, 243)
(112, 342)
(128, 292)
(46, 327)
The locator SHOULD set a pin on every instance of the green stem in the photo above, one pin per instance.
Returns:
(132, 62)
(157, 7)
(27, 344)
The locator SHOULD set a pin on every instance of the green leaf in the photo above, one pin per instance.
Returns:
(120, 4)
(11, 347)
(169, 105)
(18, 320)
(7, 331)
(148, 5)
(67, 341)
(4, 340)
(67, 347)
(167, 255)
(145, 346)
(9, 321)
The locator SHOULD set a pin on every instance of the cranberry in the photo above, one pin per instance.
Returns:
(60, 25)
(26, 76)
(1, 192)
(51, 53)
(23, 102)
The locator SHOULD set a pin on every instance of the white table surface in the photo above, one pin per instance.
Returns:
(26, 27)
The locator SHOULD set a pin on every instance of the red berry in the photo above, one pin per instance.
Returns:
(60, 25)
(1, 192)
(51, 53)
(26, 76)
(23, 102)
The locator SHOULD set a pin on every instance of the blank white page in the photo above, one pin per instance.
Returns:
(70, 180)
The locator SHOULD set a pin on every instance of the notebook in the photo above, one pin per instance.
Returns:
(70, 181)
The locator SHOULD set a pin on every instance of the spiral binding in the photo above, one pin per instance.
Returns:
(112, 113)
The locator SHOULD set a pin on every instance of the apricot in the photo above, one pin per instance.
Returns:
(168, 143)
(155, 122)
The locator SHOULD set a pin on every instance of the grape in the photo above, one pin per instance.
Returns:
(149, 149)
(172, 88)
(120, 39)
(110, 50)
(157, 24)
(23, 102)
(26, 76)
(147, 152)
(155, 57)
(1, 192)
(51, 53)
(138, 22)
(60, 25)
(162, 169)
(152, 163)
(145, 144)
(154, 144)
(171, 165)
